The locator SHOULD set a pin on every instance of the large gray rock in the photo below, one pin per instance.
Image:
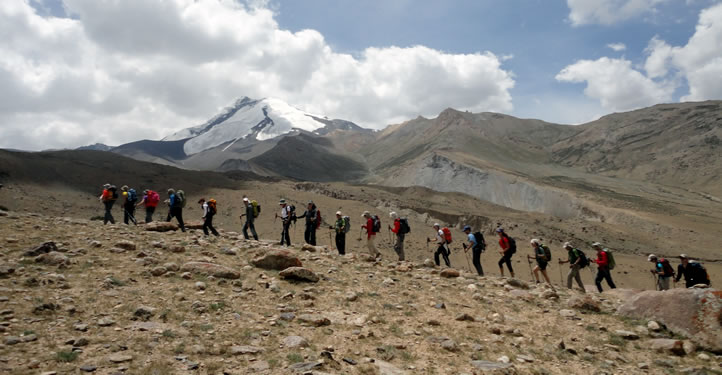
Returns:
(211, 269)
(300, 274)
(694, 313)
(276, 260)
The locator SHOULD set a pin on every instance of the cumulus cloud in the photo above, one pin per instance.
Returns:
(608, 12)
(617, 46)
(117, 71)
(619, 85)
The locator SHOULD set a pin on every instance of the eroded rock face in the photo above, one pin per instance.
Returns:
(694, 313)
(211, 269)
(276, 260)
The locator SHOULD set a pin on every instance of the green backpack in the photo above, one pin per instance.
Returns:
(181, 196)
(610, 259)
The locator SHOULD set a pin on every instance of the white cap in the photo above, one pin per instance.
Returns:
(366, 213)
(245, 199)
(596, 244)
(568, 244)
(338, 213)
(437, 225)
(651, 257)
(393, 215)
(536, 241)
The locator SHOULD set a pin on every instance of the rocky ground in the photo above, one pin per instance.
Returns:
(116, 299)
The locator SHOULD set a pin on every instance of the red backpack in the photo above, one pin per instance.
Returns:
(318, 218)
(447, 234)
(667, 268)
(152, 199)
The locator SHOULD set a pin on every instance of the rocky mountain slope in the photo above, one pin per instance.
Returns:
(109, 299)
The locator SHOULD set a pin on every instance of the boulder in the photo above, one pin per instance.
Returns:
(52, 258)
(429, 263)
(516, 283)
(295, 342)
(211, 269)
(125, 244)
(584, 302)
(276, 260)
(449, 273)
(160, 226)
(42, 249)
(694, 313)
(300, 274)
(194, 225)
(667, 346)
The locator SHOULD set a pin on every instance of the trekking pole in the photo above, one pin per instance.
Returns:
(561, 280)
(130, 216)
(330, 244)
(531, 272)
(467, 259)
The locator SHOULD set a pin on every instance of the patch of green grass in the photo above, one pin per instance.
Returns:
(409, 313)
(618, 341)
(294, 358)
(273, 363)
(205, 327)
(66, 356)
(406, 356)
(158, 368)
(116, 281)
(27, 261)
(373, 294)
(388, 306)
(218, 306)
(590, 328)
(395, 330)
(28, 332)
(169, 334)
(180, 348)
(633, 321)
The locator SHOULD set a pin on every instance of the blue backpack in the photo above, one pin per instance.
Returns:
(132, 196)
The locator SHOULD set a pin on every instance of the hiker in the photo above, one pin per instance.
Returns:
(108, 198)
(175, 207)
(542, 257)
(440, 240)
(209, 210)
(250, 218)
(370, 234)
(662, 271)
(477, 246)
(577, 260)
(694, 272)
(312, 222)
(286, 218)
(129, 200)
(603, 270)
(150, 200)
(341, 229)
(508, 248)
(400, 235)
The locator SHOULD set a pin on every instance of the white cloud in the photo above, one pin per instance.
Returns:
(617, 46)
(123, 70)
(616, 84)
(608, 12)
(620, 86)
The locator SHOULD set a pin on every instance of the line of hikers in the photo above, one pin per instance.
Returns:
(693, 272)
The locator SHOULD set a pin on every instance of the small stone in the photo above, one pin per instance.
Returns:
(503, 359)
(106, 322)
(158, 271)
(449, 273)
(119, 358)
(628, 335)
(465, 318)
(125, 244)
(244, 349)
(703, 357)
(12, 340)
(428, 263)
(567, 313)
(351, 296)
(643, 366)
(314, 319)
(295, 342)
(667, 346)
(88, 368)
(653, 326)
(449, 345)
(299, 274)
(80, 327)
(516, 283)
(200, 285)
(143, 313)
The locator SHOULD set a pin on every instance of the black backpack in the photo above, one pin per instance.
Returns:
(404, 226)
(480, 240)
(547, 252)
(667, 268)
(512, 245)
(584, 260)
(377, 224)
(113, 190)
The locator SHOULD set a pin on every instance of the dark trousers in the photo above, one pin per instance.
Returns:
(506, 259)
(177, 212)
(149, 214)
(444, 253)
(604, 274)
(129, 213)
(310, 234)
(476, 259)
(399, 246)
(208, 224)
(341, 243)
(285, 236)
(246, 226)
(108, 212)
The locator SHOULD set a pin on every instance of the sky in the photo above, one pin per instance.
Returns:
(77, 72)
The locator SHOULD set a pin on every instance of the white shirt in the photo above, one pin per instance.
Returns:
(205, 209)
(285, 211)
(440, 239)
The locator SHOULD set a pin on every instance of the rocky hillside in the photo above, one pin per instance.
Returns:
(116, 299)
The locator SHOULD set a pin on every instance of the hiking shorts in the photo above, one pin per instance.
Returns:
(542, 264)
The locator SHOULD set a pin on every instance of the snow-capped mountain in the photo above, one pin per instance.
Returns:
(248, 119)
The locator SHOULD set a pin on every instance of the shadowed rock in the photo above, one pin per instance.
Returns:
(299, 274)
(276, 260)
(160, 226)
(211, 269)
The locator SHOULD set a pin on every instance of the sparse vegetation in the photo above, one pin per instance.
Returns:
(294, 358)
(66, 356)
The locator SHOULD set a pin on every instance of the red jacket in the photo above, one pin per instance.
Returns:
(602, 259)
(504, 243)
(369, 227)
(397, 226)
(107, 195)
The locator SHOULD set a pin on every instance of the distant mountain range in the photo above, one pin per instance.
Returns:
(525, 164)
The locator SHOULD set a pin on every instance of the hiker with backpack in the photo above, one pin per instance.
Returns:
(313, 221)
(694, 272)
(577, 260)
(400, 229)
(441, 242)
(372, 226)
(342, 227)
(150, 200)
(176, 202)
(477, 246)
(251, 215)
(663, 271)
(287, 215)
(508, 248)
(542, 255)
(130, 198)
(605, 263)
(209, 210)
(108, 197)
